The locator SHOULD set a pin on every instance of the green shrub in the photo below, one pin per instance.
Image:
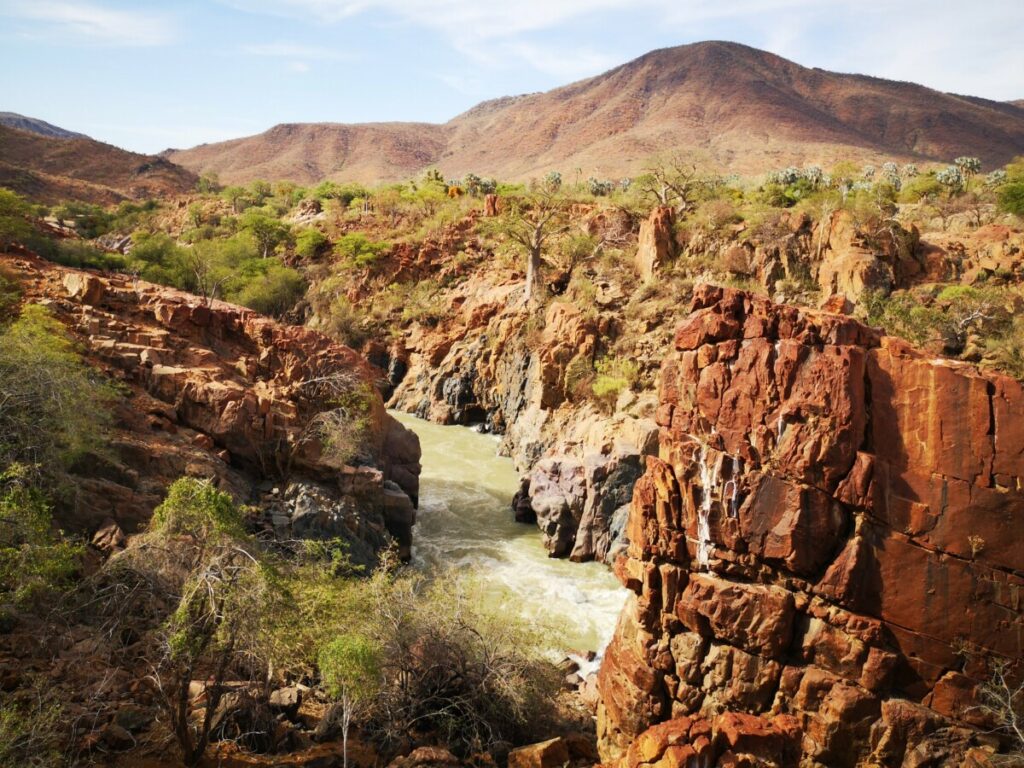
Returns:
(35, 561)
(52, 405)
(89, 220)
(1011, 198)
(268, 287)
(310, 243)
(15, 225)
(196, 508)
(83, 255)
(614, 374)
(357, 250)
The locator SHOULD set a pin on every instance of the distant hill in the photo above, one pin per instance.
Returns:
(736, 107)
(51, 169)
(34, 125)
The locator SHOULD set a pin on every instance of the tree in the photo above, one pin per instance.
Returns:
(310, 243)
(350, 668)
(268, 231)
(673, 181)
(531, 222)
(969, 167)
(14, 219)
(195, 553)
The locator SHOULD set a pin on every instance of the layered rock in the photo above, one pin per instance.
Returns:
(830, 532)
(216, 390)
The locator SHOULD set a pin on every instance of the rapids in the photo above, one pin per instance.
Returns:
(465, 522)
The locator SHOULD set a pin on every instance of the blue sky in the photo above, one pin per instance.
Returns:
(150, 75)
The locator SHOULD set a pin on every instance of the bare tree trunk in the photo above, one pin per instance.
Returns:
(532, 273)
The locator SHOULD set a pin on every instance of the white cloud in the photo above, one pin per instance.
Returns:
(298, 67)
(91, 23)
(966, 47)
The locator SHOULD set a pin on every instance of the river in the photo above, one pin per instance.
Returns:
(465, 522)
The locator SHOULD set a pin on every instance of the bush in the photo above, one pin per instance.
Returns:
(472, 674)
(15, 226)
(35, 562)
(614, 375)
(357, 250)
(52, 403)
(268, 287)
(81, 255)
(310, 243)
(194, 507)
(157, 258)
(1011, 198)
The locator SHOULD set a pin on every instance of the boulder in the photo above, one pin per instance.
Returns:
(553, 753)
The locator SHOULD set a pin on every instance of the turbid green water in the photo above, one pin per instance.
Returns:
(465, 522)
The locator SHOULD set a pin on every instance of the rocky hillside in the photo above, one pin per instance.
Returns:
(52, 170)
(217, 391)
(34, 125)
(736, 107)
(819, 552)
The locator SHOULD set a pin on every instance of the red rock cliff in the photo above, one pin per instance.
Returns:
(215, 390)
(826, 552)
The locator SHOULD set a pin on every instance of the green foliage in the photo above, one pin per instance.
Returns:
(79, 254)
(89, 220)
(357, 250)
(266, 286)
(1011, 198)
(30, 728)
(52, 405)
(614, 374)
(919, 188)
(268, 231)
(157, 258)
(14, 218)
(343, 193)
(949, 318)
(310, 243)
(350, 667)
(195, 507)
(35, 561)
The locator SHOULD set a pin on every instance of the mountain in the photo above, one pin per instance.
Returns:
(52, 169)
(34, 125)
(734, 107)
(310, 152)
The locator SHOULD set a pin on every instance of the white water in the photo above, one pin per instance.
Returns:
(465, 522)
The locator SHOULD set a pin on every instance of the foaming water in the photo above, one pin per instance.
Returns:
(465, 522)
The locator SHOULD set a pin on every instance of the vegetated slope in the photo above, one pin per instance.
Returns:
(50, 169)
(35, 125)
(307, 153)
(736, 107)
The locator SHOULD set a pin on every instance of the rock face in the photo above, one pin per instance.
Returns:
(216, 390)
(827, 548)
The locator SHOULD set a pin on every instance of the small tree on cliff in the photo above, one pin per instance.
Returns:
(672, 181)
(350, 667)
(531, 222)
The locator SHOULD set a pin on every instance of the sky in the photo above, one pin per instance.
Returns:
(151, 75)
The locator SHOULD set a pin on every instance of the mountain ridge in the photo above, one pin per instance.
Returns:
(732, 106)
